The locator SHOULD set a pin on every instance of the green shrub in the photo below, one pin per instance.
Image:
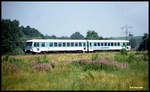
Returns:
(119, 58)
(43, 59)
(17, 51)
(123, 51)
(145, 56)
(137, 53)
(14, 60)
(5, 58)
(37, 58)
(95, 57)
(85, 66)
(92, 67)
(131, 58)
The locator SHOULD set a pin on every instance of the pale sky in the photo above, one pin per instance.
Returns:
(65, 18)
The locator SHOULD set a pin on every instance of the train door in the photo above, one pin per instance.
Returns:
(36, 45)
(87, 46)
(90, 46)
(84, 47)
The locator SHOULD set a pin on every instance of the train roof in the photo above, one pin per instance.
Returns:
(55, 40)
(108, 40)
(71, 40)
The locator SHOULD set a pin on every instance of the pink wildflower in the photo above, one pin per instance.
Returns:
(53, 62)
(124, 65)
(105, 62)
(11, 67)
(103, 57)
(42, 67)
(33, 63)
(113, 62)
(82, 60)
(67, 61)
(90, 61)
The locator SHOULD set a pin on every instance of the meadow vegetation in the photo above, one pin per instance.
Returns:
(76, 71)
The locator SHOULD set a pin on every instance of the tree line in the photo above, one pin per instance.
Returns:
(13, 36)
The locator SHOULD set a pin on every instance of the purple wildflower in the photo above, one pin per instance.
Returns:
(105, 62)
(113, 62)
(42, 67)
(124, 65)
(91, 61)
(100, 61)
(33, 63)
(10, 67)
(103, 57)
(118, 65)
(74, 61)
(6, 67)
(53, 62)
(67, 61)
(121, 65)
(82, 60)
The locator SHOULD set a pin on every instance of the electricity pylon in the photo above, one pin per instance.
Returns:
(126, 27)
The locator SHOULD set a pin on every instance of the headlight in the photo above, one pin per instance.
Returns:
(31, 50)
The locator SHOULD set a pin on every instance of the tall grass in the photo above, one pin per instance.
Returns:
(88, 71)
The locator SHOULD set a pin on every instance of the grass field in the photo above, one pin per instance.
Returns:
(76, 71)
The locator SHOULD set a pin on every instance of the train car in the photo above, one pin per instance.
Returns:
(96, 45)
(49, 45)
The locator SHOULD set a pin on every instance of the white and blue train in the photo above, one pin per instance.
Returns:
(50, 45)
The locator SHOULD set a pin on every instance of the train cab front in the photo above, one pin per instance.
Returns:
(128, 47)
(28, 47)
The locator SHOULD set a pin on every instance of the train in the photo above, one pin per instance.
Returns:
(54, 45)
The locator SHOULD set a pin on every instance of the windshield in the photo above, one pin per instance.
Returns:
(28, 43)
(128, 43)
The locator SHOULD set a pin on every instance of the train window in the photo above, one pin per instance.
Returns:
(105, 44)
(123, 44)
(111, 44)
(28, 43)
(80, 44)
(115, 44)
(101, 44)
(128, 43)
(72, 44)
(59, 44)
(118, 44)
(64, 44)
(51, 44)
(90, 44)
(35, 44)
(84, 44)
(98, 44)
(108, 44)
(68, 44)
(55, 44)
(43, 44)
(94, 43)
(76, 44)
